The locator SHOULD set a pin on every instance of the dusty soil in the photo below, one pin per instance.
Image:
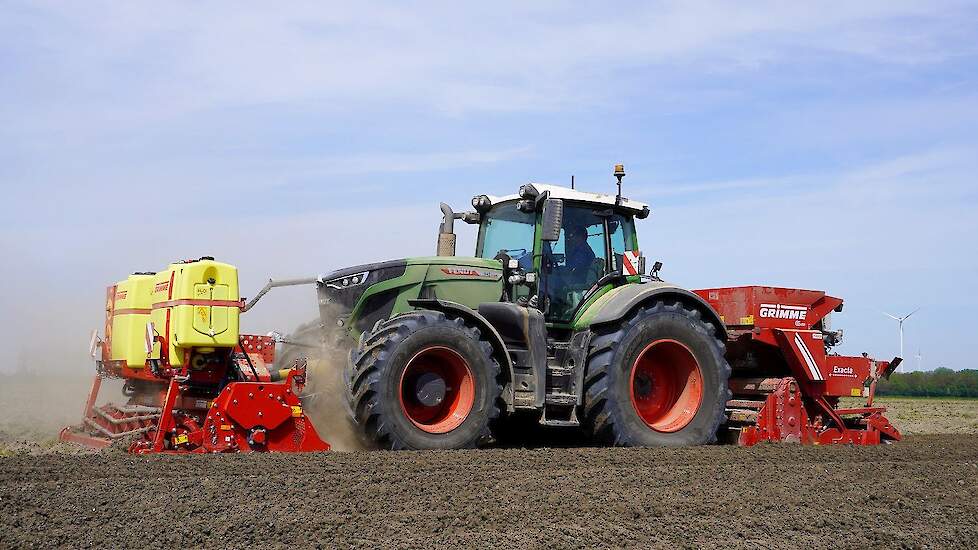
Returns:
(921, 492)
(35, 406)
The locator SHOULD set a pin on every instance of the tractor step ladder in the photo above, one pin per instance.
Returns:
(560, 410)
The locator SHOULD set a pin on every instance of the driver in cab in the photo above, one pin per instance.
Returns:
(581, 268)
(579, 257)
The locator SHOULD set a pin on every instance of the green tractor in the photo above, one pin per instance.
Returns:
(553, 318)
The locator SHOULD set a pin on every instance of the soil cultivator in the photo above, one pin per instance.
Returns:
(555, 320)
(194, 384)
(786, 385)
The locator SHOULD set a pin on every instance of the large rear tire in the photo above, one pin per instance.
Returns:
(424, 381)
(659, 379)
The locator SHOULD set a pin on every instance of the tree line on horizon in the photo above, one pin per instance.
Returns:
(941, 382)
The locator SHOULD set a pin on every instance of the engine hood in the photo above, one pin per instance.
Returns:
(343, 287)
(358, 296)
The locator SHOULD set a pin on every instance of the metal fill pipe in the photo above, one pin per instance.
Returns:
(273, 284)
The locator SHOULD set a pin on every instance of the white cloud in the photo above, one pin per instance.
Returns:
(697, 189)
(380, 163)
(140, 63)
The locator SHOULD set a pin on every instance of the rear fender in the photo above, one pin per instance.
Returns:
(619, 303)
(488, 331)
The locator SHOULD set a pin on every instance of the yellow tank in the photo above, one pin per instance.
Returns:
(199, 301)
(131, 304)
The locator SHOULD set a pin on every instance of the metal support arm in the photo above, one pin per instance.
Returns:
(273, 284)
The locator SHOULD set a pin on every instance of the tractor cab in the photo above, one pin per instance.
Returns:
(558, 244)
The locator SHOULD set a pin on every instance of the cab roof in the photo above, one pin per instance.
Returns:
(566, 193)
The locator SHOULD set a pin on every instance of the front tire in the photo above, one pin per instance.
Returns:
(422, 380)
(659, 379)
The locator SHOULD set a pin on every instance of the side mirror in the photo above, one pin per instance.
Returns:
(553, 218)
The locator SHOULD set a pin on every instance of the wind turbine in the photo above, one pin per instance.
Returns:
(900, 320)
(920, 359)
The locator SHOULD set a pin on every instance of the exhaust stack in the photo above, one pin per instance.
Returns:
(446, 233)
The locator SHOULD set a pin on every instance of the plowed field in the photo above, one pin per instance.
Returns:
(921, 492)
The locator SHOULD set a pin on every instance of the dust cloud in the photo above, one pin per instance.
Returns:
(326, 408)
(325, 392)
(35, 406)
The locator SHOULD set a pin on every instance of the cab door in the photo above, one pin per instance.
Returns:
(575, 261)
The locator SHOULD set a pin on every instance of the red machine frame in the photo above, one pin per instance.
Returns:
(229, 402)
(786, 386)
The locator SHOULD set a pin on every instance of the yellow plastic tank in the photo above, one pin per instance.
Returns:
(199, 302)
(131, 305)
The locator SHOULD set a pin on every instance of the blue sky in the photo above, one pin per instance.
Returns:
(829, 146)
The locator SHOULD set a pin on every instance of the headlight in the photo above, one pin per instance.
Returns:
(528, 191)
(481, 203)
(348, 281)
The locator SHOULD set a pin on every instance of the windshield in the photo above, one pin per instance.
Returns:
(506, 229)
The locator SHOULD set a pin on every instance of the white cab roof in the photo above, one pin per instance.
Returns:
(566, 193)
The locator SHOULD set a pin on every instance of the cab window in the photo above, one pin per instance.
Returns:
(506, 229)
(622, 232)
(574, 262)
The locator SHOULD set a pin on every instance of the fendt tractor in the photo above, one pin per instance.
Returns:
(554, 320)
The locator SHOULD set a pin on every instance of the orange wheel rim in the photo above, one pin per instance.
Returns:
(666, 386)
(437, 390)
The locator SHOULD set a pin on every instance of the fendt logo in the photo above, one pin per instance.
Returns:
(779, 311)
(466, 272)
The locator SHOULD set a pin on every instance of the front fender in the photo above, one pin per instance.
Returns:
(488, 331)
(620, 302)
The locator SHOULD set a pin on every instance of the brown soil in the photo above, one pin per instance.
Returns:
(921, 492)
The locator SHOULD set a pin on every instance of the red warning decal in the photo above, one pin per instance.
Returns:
(630, 262)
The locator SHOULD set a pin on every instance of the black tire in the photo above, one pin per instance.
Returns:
(379, 364)
(611, 412)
